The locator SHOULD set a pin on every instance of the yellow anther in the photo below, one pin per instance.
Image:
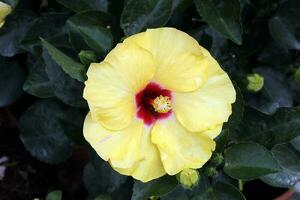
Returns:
(162, 104)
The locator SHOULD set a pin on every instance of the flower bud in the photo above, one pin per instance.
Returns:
(255, 82)
(217, 159)
(188, 178)
(87, 57)
(210, 171)
(297, 75)
(5, 10)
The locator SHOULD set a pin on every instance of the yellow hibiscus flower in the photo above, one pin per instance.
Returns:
(5, 9)
(156, 103)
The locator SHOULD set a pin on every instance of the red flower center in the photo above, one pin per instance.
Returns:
(153, 103)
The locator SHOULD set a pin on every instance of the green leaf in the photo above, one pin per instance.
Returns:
(94, 27)
(83, 5)
(138, 15)
(275, 55)
(75, 69)
(269, 130)
(13, 32)
(296, 143)
(275, 93)
(67, 89)
(40, 28)
(43, 130)
(285, 25)
(99, 177)
(224, 16)
(221, 191)
(289, 161)
(11, 81)
(177, 194)
(37, 82)
(157, 187)
(248, 161)
(54, 195)
(103, 197)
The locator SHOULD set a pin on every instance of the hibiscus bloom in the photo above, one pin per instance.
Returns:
(156, 103)
(5, 9)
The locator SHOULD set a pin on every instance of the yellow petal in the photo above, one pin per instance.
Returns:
(207, 108)
(178, 57)
(114, 118)
(112, 84)
(179, 148)
(5, 10)
(130, 151)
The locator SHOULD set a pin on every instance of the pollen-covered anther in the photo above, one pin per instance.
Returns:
(162, 104)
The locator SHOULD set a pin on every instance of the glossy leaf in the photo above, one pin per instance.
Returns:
(248, 161)
(221, 191)
(94, 29)
(224, 16)
(275, 93)
(67, 89)
(74, 69)
(43, 131)
(269, 130)
(289, 160)
(158, 187)
(285, 25)
(99, 178)
(138, 15)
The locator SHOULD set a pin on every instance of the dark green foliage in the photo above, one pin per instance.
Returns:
(46, 49)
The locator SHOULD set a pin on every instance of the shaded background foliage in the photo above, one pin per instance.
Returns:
(46, 47)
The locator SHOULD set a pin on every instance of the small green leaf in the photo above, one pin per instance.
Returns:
(158, 187)
(75, 69)
(67, 89)
(43, 130)
(11, 81)
(221, 191)
(95, 29)
(54, 195)
(37, 82)
(138, 15)
(289, 161)
(248, 161)
(83, 5)
(285, 25)
(224, 16)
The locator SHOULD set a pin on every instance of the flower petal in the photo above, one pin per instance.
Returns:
(208, 107)
(130, 151)
(179, 148)
(5, 9)
(112, 84)
(178, 57)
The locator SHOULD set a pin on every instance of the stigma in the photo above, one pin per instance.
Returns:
(162, 104)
